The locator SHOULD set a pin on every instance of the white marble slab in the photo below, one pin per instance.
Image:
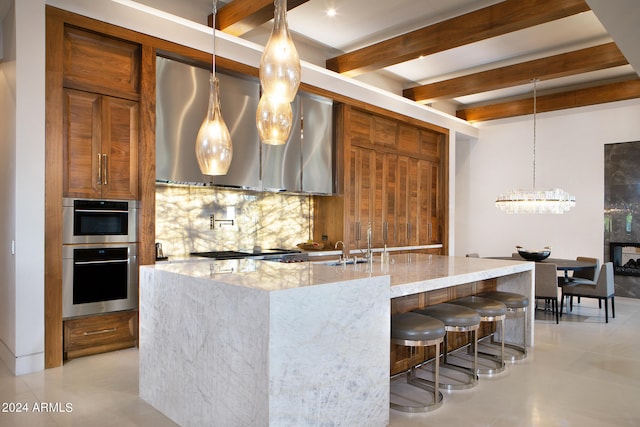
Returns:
(269, 344)
(415, 273)
(257, 343)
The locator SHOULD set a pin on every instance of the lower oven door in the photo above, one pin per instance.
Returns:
(99, 278)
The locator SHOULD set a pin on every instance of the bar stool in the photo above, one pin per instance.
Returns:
(515, 303)
(416, 330)
(457, 318)
(489, 311)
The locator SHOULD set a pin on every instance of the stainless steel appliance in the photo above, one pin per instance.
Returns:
(99, 256)
(280, 255)
(304, 164)
(99, 278)
(99, 221)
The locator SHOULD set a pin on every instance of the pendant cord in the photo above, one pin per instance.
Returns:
(213, 25)
(534, 131)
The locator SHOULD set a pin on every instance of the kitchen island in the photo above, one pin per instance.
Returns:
(246, 342)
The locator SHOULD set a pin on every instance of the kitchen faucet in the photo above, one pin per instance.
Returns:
(345, 250)
(369, 254)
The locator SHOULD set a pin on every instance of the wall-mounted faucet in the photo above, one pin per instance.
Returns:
(220, 222)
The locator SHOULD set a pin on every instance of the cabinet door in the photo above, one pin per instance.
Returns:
(436, 203)
(360, 200)
(82, 135)
(431, 208)
(402, 211)
(119, 148)
(392, 187)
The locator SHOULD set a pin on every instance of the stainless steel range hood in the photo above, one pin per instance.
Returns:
(182, 96)
(303, 165)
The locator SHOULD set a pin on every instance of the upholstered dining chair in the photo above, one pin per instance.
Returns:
(602, 289)
(589, 274)
(546, 287)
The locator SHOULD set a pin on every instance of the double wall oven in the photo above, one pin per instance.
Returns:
(100, 256)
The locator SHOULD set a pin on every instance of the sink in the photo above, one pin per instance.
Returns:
(350, 261)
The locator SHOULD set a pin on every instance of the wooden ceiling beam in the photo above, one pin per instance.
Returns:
(241, 16)
(492, 21)
(609, 92)
(580, 61)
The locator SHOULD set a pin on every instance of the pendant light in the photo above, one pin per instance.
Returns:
(535, 201)
(214, 150)
(279, 80)
(274, 120)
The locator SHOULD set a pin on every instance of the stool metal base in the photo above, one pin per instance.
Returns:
(517, 351)
(470, 373)
(421, 383)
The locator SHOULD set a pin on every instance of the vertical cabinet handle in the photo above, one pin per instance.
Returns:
(99, 169)
(429, 232)
(357, 231)
(104, 172)
(409, 231)
(385, 232)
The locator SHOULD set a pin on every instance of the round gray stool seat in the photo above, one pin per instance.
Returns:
(416, 327)
(484, 306)
(490, 311)
(451, 315)
(417, 330)
(457, 318)
(510, 299)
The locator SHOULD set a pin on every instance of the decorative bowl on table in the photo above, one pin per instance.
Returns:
(534, 255)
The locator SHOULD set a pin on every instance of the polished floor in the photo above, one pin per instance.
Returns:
(581, 372)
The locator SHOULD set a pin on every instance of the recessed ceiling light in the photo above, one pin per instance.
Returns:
(331, 11)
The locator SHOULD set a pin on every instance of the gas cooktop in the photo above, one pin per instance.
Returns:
(239, 254)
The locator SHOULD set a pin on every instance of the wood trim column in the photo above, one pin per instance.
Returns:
(53, 193)
(147, 158)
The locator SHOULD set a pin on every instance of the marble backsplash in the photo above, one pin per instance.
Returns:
(196, 219)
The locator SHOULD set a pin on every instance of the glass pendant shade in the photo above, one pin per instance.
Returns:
(280, 63)
(213, 143)
(274, 120)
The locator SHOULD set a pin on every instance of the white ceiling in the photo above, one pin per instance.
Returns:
(359, 23)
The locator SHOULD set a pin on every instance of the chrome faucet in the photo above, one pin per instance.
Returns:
(345, 250)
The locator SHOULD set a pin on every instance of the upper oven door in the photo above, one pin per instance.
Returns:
(99, 221)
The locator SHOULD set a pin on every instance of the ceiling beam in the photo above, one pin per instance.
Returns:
(580, 61)
(241, 16)
(608, 92)
(492, 21)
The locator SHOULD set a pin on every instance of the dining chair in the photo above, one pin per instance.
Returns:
(602, 289)
(587, 275)
(546, 285)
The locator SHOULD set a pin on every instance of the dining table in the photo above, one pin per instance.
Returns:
(564, 265)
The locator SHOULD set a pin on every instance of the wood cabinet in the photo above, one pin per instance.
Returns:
(101, 116)
(393, 180)
(97, 334)
(100, 146)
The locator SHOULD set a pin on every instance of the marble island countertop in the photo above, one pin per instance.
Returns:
(409, 273)
(255, 342)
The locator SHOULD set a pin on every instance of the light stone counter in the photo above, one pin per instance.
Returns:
(246, 342)
(258, 343)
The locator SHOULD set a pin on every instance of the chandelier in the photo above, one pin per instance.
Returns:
(213, 142)
(279, 79)
(535, 201)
